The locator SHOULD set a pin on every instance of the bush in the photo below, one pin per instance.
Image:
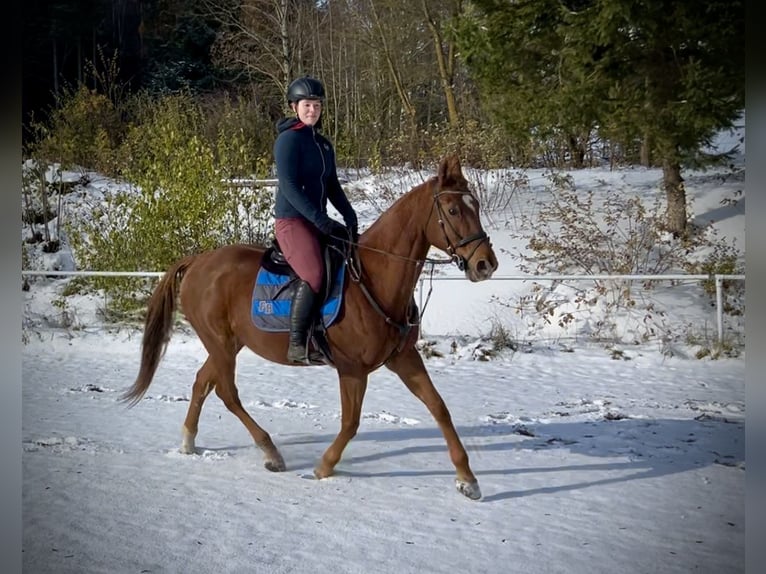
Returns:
(84, 130)
(179, 203)
(179, 199)
(722, 258)
(575, 235)
(479, 146)
(240, 153)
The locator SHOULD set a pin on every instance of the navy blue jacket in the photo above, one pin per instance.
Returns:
(307, 176)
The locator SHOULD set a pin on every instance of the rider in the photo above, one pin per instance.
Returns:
(305, 163)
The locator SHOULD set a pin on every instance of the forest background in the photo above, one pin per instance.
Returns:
(178, 96)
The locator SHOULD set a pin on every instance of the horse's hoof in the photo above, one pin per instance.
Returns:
(469, 489)
(275, 465)
(320, 474)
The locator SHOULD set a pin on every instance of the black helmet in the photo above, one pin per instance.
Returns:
(305, 88)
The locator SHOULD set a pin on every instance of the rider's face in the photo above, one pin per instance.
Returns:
(308, 111)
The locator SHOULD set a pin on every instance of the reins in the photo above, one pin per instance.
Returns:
(402, 257)
(354, 266)
(460, 261)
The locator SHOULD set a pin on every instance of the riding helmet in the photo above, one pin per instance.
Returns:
(305, 88)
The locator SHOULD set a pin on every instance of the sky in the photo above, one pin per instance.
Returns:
(592, 456)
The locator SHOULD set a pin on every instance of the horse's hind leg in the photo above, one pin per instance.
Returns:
(410, 368)
(203, 384)
(224, 361)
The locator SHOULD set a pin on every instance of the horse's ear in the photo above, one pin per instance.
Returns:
(450, 170)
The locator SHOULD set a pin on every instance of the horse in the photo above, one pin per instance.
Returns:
(374, 328)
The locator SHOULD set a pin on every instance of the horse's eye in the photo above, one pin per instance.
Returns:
(453, 210)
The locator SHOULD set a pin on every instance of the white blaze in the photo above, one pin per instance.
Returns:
(470, 201)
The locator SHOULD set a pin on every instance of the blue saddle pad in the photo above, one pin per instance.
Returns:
(273, 295)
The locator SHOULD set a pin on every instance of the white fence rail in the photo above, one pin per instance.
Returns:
(718, 278)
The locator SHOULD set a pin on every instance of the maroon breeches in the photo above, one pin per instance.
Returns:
(300, 245)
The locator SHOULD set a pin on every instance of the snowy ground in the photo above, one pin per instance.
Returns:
(587, 464)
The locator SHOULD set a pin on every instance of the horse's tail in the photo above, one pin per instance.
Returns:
(158, 327)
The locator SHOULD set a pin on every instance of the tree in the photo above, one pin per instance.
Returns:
(666, 74)
(519, 53)
(676, 75)
(175, 43)
(60, 40)
(445, 54)
(264, 41)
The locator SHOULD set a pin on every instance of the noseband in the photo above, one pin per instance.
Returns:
(481, 236)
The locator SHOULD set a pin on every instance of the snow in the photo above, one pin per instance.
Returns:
(591, 457)
(587, 464)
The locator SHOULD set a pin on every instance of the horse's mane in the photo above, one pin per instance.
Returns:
(450, 175)
(402, 204)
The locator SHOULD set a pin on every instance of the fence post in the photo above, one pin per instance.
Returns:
(719, 306)
(420, 307)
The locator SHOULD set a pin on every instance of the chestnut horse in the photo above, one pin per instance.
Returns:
(215, 289)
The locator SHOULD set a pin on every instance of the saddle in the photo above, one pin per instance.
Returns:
(275, 284)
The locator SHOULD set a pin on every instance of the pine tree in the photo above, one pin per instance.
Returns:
(659, 73)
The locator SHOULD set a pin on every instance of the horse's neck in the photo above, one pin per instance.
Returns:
(398, 248)
(400, 230)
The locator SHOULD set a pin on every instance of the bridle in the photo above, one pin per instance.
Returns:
(480, 236)
(455, 258)
(413, 318)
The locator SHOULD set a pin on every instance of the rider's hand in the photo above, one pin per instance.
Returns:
(336, 230)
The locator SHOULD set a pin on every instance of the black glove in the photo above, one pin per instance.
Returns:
(335, 229)
(354, 231)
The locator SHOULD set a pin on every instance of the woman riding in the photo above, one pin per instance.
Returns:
(306, 171)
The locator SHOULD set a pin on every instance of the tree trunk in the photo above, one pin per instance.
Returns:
(404, 98)
(286, 52)
(445, 68)
(55, 68)
(79, 61)
(646, 156)
(42, 181)
(577, 151)
(675, 192)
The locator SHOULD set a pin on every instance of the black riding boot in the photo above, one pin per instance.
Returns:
(301, 316)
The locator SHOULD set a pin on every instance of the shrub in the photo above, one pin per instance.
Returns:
(178, 203)
(573, 234)
(238, 153)
(84, 130)
(179, 199)
(722, 259)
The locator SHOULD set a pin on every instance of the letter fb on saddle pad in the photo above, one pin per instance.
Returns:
(272, 299)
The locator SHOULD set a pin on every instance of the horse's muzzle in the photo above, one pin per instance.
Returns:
(482, 265)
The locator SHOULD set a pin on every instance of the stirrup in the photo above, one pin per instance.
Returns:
(316, 358)
(321, 351)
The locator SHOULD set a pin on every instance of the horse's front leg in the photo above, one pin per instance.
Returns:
(352, 389)
(409, 366)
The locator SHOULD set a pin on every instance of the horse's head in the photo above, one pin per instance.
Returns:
(457, 228)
